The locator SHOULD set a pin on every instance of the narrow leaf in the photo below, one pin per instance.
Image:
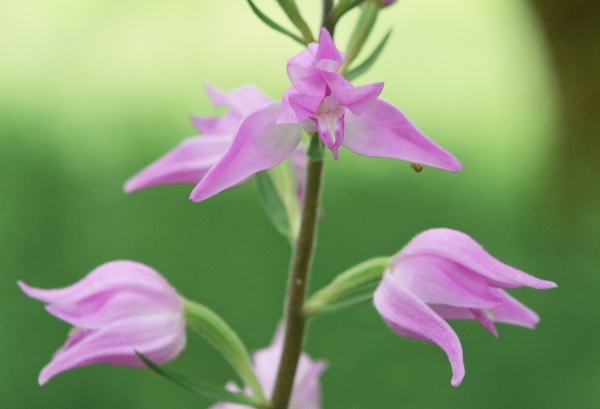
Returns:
(273, 24)
(272, 202)
(199, 388)
(362, 68)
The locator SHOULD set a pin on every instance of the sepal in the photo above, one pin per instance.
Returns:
(347, 287)
(220, 335)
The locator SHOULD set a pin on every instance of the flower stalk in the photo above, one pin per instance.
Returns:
(299, 273)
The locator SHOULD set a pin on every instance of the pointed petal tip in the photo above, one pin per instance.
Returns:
(457, 379)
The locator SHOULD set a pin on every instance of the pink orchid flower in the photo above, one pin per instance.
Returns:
(189, 161)
(445, 274)
(117, 309)
(306, 392)
(321, 100)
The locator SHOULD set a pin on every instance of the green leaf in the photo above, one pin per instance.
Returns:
(220, 335)
(199, 388)
(362, 68)
(273, 24)
(273, 203)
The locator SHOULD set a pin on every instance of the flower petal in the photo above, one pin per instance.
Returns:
(356, 99)
(187, 163)
(383, 131)
(513, 312)
(259, 144)
(112, 276)
(302, 99)
(159, 337)
(438, 281)
(463, 250)
(328, 57)
(241, 102)
(301, 64)
(410, 317)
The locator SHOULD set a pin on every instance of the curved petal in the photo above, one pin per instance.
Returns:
(408, 316)
(328, 57)
(302, 99)
(463, 250)
(259, 144)
(107, 307)
(383, 131)
(356, 99)
(241, 102)
(187, 163)
(301, 64)
(438, 281)
(112, 276)
(513, 312)
(159, 337)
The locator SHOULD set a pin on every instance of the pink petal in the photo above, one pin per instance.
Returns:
(187, 163)
(328, 57)
(302, 99)
(383, 131)
(330, 123)
(485, 321)
(299, 162)
(112, 276)
(307, 388)
(408, 316)
(301, 64)
(259, 144)
(438, 281)
(356, 99)
(464, 251)
(513, 312)
(159, 337)
(241, 102)
(106, 307)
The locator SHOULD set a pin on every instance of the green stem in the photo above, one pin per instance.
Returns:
(295, 320)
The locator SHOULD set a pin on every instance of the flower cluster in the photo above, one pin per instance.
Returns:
(125, 313)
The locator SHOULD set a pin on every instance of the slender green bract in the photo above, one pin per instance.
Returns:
(273, 24)
(200, 388)
(361, 32)
(366, 64)
(226, 341)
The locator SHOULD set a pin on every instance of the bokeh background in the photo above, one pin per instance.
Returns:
(90, 92)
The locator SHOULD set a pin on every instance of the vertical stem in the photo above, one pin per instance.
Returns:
(295, 320)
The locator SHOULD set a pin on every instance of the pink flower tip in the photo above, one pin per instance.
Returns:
(306, 392)
(117, 309)
(444, 274)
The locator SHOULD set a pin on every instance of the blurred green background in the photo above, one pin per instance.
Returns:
(90, 92)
